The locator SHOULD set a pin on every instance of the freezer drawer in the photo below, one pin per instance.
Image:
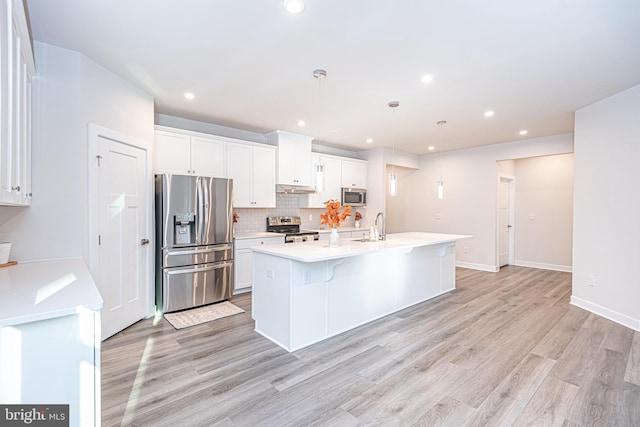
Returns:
(176, 257)
(192, 286)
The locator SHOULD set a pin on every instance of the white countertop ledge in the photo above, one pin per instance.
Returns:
(320, 251)
(44, 290)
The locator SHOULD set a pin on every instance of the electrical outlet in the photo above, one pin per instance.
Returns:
(269, 273)
(532, 217)
(438, 215)
(465, 249)
(310, 217)
(591, 281)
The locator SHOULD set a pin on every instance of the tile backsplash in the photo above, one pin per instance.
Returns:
(254, 220)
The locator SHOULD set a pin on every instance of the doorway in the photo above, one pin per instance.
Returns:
(506, 231)
(120, 234)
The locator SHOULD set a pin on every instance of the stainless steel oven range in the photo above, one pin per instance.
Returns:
(290, 227)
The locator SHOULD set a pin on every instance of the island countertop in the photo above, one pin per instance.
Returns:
(320, 251)
(45, 290)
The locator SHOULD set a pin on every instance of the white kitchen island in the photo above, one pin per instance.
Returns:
(304, 293)
(50, 338)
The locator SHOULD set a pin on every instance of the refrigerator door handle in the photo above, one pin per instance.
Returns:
(205, 211)
(172, 271)
(200, 251)
(199, 203)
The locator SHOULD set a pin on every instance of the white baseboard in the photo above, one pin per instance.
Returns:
(555, 267)
(481, 267)
(620, 318)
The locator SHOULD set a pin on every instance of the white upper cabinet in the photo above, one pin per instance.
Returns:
(16, 70)
(354, 173)
(332, 181)
(182, 153)
(294, 157)
(253, 170)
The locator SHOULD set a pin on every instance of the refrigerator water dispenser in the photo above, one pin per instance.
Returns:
(184, 228)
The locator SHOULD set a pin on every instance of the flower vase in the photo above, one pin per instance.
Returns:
(334, 238)
(357, 224)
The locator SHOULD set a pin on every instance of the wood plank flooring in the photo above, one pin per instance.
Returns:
(502, 349)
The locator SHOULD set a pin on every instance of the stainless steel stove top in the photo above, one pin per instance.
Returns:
(290, 227)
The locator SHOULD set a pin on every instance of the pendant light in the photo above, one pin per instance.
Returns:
(441, 123)
(320, 75)
(393, 182)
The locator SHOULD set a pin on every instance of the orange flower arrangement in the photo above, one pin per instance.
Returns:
(333, 217)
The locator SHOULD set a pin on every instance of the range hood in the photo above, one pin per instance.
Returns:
(295, 189)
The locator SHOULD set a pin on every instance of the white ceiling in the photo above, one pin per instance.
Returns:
(250, 63)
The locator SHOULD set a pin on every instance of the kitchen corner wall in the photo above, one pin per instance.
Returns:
(69, 91)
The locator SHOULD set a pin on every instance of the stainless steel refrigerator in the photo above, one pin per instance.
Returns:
(194, 241)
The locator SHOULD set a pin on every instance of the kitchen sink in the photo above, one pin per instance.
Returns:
(365, 240)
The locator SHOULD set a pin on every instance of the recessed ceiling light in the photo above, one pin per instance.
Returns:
(431, 148)
(523, 132)
(301, 123)
(489, 113)
(427, 78)
(369, 140)
(190, 96)
(294, 6)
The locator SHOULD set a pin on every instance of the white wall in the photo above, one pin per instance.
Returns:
(69, 92)
(606, 242)
(544, 212)
(470, 193)
(52, 226)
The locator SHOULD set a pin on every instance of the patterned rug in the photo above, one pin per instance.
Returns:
(196, 316)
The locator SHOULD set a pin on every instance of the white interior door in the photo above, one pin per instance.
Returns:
(120, 227)
(505, 225)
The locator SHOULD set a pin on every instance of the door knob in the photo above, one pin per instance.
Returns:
(144, 241)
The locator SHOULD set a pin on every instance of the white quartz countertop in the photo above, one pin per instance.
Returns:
(320, 251)
(46, 289)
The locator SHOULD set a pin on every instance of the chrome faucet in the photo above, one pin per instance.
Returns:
(383, 233)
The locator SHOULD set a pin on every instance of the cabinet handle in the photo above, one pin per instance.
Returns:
(16, 188)
(144, 241)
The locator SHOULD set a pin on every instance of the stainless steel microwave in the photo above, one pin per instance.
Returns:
(354, 196)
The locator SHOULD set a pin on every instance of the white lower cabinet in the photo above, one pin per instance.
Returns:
(243, 261)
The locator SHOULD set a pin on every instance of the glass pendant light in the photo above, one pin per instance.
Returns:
(320, 75)
(441, 123)
(393, 185)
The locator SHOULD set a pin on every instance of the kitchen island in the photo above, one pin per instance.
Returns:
(50, 338)
(304, 293)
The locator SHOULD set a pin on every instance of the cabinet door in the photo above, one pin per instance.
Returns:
(172, 153)
(354, 174)
(5, 104)
(239, 169)
(207, 157)
(294, 159)
(243, 261)
(264, 177)
(332, 181)
(243, 274)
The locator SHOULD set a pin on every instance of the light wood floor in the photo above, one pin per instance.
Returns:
(503, 349)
